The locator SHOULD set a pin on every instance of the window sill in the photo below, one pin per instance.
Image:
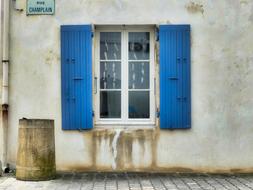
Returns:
(120, 125)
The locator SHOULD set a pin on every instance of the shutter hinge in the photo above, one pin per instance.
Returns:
(93, 114)
(157, 113)
(93, 27)
(157, 34)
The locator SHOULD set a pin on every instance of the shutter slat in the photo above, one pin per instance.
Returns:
(175, 105)
(188, 78)
(71, 85)
(180, 84)
(76, 77)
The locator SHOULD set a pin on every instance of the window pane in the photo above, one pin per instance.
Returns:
(110, 45)
(138, 104)
(138, 46)
(110, 75)
(138, 75)
(110, 104)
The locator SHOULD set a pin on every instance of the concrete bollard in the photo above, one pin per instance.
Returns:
(36, 150)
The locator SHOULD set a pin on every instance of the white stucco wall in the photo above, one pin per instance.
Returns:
(221, 137)
(1, 129)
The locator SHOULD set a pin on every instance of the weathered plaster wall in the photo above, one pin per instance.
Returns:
(221, 137)
(1, 129)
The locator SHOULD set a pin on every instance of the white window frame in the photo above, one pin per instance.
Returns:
(124, 120)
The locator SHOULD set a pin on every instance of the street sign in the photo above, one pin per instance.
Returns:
(40, 7)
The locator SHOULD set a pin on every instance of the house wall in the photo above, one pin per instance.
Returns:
(221, 136)
(1, 129)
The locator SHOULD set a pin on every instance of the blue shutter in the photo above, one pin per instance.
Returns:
(76, 77)
(175, 79)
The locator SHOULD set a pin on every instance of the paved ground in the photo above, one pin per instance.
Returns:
(132, 181)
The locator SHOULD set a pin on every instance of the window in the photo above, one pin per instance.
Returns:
(124, 76)
(123, 71)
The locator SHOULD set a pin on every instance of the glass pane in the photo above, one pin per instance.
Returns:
(110, 104)
(110, 45)
(138, 104)
(138, 46)
(138, 75)
(110, 75)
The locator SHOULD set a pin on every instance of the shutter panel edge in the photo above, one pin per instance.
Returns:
(85, 119)
(165, 118)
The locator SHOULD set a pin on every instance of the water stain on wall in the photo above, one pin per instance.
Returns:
(193, 8)
(49, 57)
(113, 150)
(244, 2)
(251, 16)
(124, 158)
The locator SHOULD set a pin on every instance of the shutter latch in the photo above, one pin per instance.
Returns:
(157, 113)
(173, 78)
(157, 34)
(78, 78)
(181, 98)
